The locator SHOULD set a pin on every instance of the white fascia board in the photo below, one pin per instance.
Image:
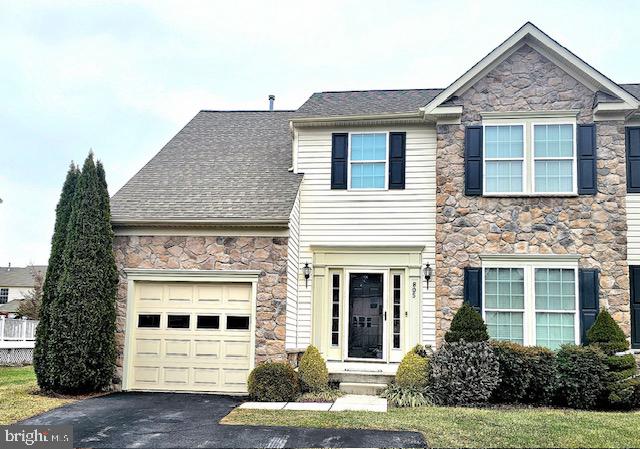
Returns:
(351, 118)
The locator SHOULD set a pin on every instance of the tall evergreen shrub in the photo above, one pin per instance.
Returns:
(623, 382)
(83, 334)
(42, 362)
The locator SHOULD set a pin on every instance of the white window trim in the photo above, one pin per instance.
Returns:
(528, 187)
(573, 158)
(386, 162)
(529, 316)
(523, 158)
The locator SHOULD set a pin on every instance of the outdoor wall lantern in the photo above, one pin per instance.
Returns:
(307, 272)
(428, 271)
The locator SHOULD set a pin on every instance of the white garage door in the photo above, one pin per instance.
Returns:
(190, 337)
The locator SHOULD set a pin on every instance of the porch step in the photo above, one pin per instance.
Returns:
(372, 389)
(361, 377)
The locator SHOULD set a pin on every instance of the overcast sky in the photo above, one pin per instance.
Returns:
(124, 77)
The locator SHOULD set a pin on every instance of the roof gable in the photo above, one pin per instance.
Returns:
(531, 35)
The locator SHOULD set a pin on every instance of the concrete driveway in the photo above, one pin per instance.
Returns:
(170, 420)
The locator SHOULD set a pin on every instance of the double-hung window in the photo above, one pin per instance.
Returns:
(368, 161)
(535, 157)
(504, 158)
(554, 158)
(4, 295)
(531, 304)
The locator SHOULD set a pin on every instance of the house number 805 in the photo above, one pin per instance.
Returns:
(414, 289)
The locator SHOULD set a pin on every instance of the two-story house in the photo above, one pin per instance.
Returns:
(15, 283)
(361, 222)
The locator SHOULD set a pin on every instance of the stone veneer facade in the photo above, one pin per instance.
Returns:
(268, 254)
(595, 227)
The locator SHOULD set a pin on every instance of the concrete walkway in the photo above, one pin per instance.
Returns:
(349, 402)
(171, 420)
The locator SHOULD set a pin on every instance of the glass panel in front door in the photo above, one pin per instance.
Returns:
(366, 321)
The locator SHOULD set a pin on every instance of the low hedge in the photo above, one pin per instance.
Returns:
(273, 382)
(543, 381)
(527, 374)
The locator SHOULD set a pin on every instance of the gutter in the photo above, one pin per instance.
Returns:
(235, 222)
(309, 121)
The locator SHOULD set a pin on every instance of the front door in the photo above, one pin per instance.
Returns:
(366, 315)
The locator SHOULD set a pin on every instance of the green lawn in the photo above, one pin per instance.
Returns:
(19, 397)
(471, 427)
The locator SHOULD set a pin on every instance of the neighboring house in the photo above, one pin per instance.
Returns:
(15, 282)
(360, 223)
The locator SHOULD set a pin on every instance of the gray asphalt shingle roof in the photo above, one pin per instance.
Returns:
(20, 276)
(633, 89)
(364, 102)
(233, 165)
(223, 165)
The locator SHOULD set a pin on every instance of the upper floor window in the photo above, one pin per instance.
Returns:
(4, 295)
(504, 158)
(530, 158)
(368, 161)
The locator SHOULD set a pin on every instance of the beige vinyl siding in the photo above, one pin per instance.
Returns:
(292, 275)
(17, 292)
(367, 218)
(633, 232)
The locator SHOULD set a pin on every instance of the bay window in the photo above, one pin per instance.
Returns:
(535, 157)
(531, 304)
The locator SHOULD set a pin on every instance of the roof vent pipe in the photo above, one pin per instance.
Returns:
(9, 267)
(272, 98)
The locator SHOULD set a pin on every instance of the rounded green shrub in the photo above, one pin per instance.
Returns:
(607, 334)
(413, 371)
(582, 376)
(463, 373)
(273, 382)
(314, 376)
(467, 325)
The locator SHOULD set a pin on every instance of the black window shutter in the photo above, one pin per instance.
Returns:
(589, 294)
(397, 157)
(632, 135)
(587, 156)
(473, 287)
(339, 160)
(634, 274)
(473, 160)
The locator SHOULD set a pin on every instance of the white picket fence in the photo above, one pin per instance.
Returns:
(17, 333)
